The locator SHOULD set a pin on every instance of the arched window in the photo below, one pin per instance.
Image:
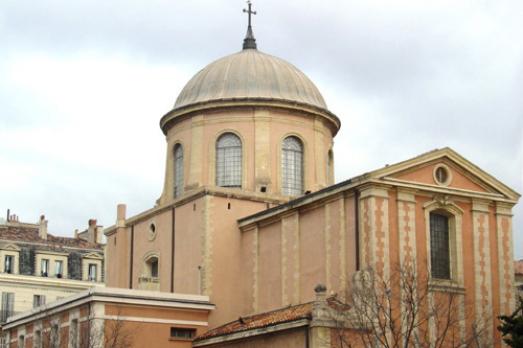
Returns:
(152, 267)
(330, 166)
(229, 161)
(439, 246)
(292, 166)
(178, 170)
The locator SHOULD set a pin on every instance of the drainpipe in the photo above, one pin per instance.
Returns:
(173, 244)
(131, 259)
(357, 227)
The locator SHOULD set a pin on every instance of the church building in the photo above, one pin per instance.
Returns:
(251, 218)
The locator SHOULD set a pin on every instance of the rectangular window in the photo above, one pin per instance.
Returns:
(21, 341)
(44, 267)
(8, 264)
(92, 272)
(182, 333)
(55, 336)
(38, 300)
(439, 246)
(59, 268)
(8, 301)
(37, 339)
(73, 334)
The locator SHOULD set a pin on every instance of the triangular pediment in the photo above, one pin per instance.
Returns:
(10, 247)
(93, 256)
(457, 173)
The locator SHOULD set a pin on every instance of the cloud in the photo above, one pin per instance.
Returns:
(85, 83)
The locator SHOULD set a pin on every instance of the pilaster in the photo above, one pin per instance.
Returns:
(374, 230)
(482, 262)
(262, 149)
(505, 254)
(196, 152)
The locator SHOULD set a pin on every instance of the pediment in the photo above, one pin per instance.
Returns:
(10, 247)
(461, 174)
(92, 256)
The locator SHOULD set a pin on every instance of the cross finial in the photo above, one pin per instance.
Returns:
(249, 41)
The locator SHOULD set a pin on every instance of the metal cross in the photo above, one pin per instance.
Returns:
(249, 11)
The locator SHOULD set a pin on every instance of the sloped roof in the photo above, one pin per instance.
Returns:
(257, 321)
(28, 233)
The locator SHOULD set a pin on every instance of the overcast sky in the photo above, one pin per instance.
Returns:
(83, 85)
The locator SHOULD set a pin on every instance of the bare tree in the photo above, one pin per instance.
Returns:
(90, 333)
(106, 333)
(405, 309)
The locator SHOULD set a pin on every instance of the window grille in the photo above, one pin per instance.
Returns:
(439, 246)
(182, 333)
(292, 166)
(178, 170)
(229, 161)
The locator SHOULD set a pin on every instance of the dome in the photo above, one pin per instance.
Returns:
(250, 75)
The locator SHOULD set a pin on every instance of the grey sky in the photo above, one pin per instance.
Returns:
(83, 85)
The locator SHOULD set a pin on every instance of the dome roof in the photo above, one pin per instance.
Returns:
(250, 74)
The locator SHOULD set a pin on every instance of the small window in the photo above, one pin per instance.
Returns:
(92, 272)
(8, 264)
(37, 339)
(38, 300)
(442, 175)
(229, 161)
(21, 341)
(330, 166)
(153, 267)
(44, 267)
(55, 336)
(59, 268)
(439, 246)
(152, 232)
(73, 333)
(182, 333)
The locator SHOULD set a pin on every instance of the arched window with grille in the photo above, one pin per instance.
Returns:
(292, 166)
(229, 161)
(178, 170)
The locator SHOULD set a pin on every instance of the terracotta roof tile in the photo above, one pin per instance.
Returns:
(29, 234)
(282, 315)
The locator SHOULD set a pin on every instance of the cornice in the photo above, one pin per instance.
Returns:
(180, 113)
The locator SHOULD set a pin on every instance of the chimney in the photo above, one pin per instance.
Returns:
(120, 215)
(42, 227)
(91, 230)
(99, 234)
(320, 308)
(76, 233)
